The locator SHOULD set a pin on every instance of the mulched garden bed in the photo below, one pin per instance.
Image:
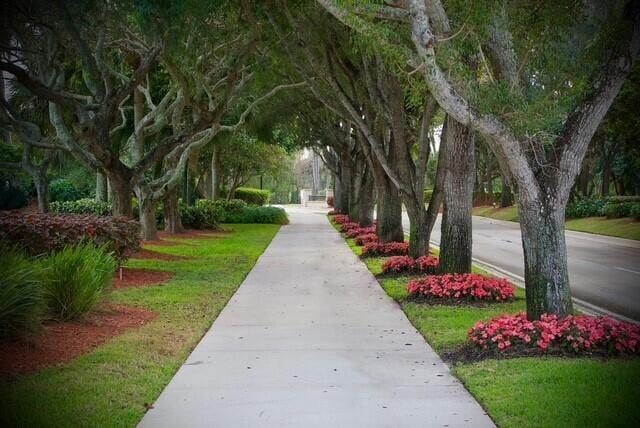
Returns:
(134, 277)
(146, 254)
(58, 343)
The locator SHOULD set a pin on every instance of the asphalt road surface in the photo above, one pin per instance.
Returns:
(603, 271)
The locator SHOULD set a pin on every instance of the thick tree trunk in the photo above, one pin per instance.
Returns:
(42, 192)
(506, 198)
(149, 229)
(344, 184)
(389, 214)
(365, 201)
(456, 242)
(121, 191)
(102, 193)
(215, 172)
(171, 211)
(419, 230)
(545, 257)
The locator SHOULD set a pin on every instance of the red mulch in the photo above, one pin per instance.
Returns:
(132, 277)
(146, 254)
(62, 342)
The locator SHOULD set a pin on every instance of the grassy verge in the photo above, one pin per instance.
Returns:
(112, 385)
(525, 392)
(618, 227)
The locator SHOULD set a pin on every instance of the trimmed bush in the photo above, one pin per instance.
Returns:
(402, 264)
(81, 206)
(45, 233)
(366, 238)
(579, 334)
(74, 279)
(635, 212)
(20, 293)
(267, 215)
(253, 196)
(622, 199)
(204, 215)
(207, 214)
(385, 249)
(63, 190)
(619, 210)
(13, 195)
(346, 227)
(461, 287)
(352, 233)
(586, 208)
(340, 218)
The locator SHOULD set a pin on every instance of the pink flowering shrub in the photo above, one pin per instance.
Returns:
(352, 233)
(399, 264)
(385, 249)
(341, 218)
(574, 333)
(467, 286)
(346, 227)
(366, 238)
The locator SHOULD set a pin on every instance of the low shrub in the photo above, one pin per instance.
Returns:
(44, 233)
(205, 214)
(208, 214)
(385, 249)
(266, 215)
(635, 212)
(366, 238)
(586, 208)
(619, 210)
(580, 334)
(401, 264)
(253, 196)
(75, 278)
(13, 194)
(63, 190)
(622, 199)
(352, 233)
(81, 206)
(331, 201)
(461, 287)
(341, 218)
(346, 227)
(21, 305)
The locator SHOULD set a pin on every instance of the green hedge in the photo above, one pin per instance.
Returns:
(232, 211)
(622, 209)
(586, 208)
(253, 196)
(81, 206)
(63, 190)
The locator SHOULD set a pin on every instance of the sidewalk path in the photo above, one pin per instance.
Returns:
(311, 340)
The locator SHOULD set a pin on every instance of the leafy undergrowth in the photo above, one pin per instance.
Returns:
(524, 392)
(113, 385)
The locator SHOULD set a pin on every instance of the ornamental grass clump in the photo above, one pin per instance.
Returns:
(21, 305)
(385, 249)
(461, 287)
(580, 334)
(75, 278)
(402, 264)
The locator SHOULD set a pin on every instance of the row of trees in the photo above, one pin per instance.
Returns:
(135, 91)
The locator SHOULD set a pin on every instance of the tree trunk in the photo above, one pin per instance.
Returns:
(42, 191)
(121, 190)
(365, 200)
(171, 211)
(101, 188)
(419, 230)
(456, 242)
(389, 214)
(506, 199)
(345, 187)
(545, 257)
(215, 172)
(149, 229)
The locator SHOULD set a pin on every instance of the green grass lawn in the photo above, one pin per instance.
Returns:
(526, 392)
(111, 385)
(619, 227)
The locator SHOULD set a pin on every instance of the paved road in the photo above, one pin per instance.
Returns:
(604, 271)
(311, 340)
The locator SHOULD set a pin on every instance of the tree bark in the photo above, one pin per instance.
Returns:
(365, 200)
(147, 215)
(42, 191)
(506, 198)
(102, 193)
(456, 241)
(419, 230)
(121, 190)
(215, 172)
(171, 211)
(389, 214)
(545, 258)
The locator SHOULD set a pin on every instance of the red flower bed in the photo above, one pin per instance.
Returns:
(345, 227)
(468, 286)
(385, 249)
(366, 238)
(352, 233)
(399, 264)
(43, 233)
(574, 333)
(341, 218)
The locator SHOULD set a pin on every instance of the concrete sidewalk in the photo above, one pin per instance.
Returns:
(311, 340)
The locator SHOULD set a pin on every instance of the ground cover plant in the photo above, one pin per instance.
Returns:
(385, 249)
(112, 385)
(407, 264)
(525, 391)
(461, 288)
